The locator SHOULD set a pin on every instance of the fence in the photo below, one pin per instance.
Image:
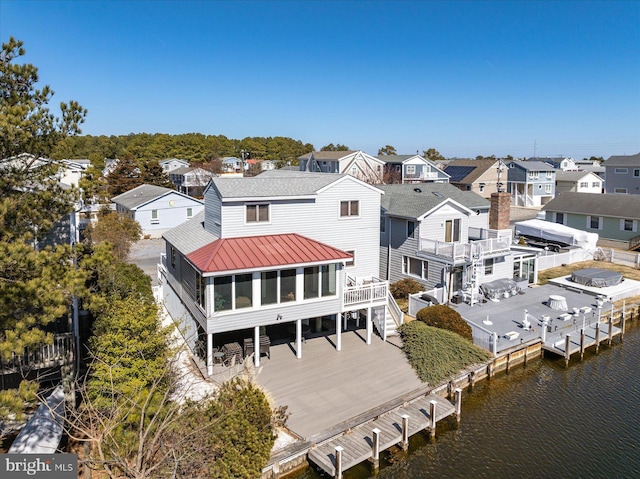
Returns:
(48, 355)
(416, 303)
(558, 259)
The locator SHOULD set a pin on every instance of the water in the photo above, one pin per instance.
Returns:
(539, 421)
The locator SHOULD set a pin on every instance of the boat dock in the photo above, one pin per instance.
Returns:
(366, 441)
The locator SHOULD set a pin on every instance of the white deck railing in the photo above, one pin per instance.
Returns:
(465, 251)
(372, 291)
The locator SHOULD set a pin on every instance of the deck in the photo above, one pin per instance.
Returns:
(357, 444)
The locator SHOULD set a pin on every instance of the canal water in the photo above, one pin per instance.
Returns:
(543, 420)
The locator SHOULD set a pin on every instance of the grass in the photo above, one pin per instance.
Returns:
(437, 354)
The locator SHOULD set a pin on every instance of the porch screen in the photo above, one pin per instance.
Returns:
(287, 285)
(329, 280)
(244, 291)
(269, 287)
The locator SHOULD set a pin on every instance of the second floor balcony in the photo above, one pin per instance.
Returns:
(486, 243)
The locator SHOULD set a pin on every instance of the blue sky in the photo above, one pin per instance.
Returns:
(467, 78)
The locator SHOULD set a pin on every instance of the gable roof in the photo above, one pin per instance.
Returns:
(623, 160)
(413, 200)
(258, 252)
(532, 165)
(327, 155)
(279, 184)
(190, 235)
(143, 194)
(618, 206)
(468, 171)
(575, 175)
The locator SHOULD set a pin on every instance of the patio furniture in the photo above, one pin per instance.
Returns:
(265, 346)
(218, 357)
(557, 302)
(232, 353)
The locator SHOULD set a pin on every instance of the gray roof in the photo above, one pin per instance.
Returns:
(394, 158)
(617, 206)
(190, 235)
(327, 155)
(275, 183)
(532, 165)
(623, 160)
(414, 200)
(572, 175)
(140, 195)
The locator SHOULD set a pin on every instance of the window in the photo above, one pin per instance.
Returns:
(172, 253)
(452, 230)
(349, 208)
(189, 212)
(621, 171)
(595, 184)
(287, 285)
(222, 286)
(548, 188)
(584, 184)
(311, 282)
(533, 175)
(411, 169)
(636, 172)
(488, 266)
(628, 225)
(560, 218)
(620, 191)
(415, 267)
(201, 286)
(549, 175)
(269, 287)
(328, 277)
(481, 187)
(258, 213)
(244, 291)
(352, 261)
(411, 229)
(594, 222)
(154, 217)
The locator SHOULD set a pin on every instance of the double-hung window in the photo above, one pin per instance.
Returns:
(154, 217)
(415, 267)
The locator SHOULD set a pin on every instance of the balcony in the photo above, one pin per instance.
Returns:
(363, 292)
(488, 243)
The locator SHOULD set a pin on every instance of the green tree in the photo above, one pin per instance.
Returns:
(125, 176)
(443, 317)
(117, 229)
(332, 147)
(153, 174)
(387, 150)
(432, 154)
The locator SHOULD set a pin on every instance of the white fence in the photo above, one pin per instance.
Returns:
(626, 258)
(552, 260)
(416, 303)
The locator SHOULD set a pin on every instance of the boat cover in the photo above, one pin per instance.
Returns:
(495, 289)
(599, 278)
(546, 230)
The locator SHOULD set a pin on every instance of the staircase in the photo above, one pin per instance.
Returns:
(477, 263)
(387, 323)
(634, 243)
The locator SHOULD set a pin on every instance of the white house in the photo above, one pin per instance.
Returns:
(190, 180)
(411, 169)
(157, 209)
(578, 181)
(280, 255)
(355, 163)
(172, 164)
(71, 171)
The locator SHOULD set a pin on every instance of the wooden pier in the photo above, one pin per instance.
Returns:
(366, 441)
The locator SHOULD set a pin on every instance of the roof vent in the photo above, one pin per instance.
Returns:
(438, 194)
(417, 190)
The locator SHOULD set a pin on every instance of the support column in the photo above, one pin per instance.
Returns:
(299, 338)
(567, 353)
(405, 432)
(610, 328)
(338, 474)
(369, 329)
(622, 321)
(339, 332)
(432, 417)
(375, 448)
(210, 354)
(256, 346)
(581, 344)
(597, 336)
(458, 404)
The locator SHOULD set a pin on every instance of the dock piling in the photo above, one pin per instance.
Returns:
(432, 417)
(458, 405)
(622, 321)
(567, 351)
(610, 339)
(375, 448)
(338, 474)
(597, 336)
(581, 344)
(405, 432)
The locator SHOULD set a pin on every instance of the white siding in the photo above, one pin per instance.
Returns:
(172, 211)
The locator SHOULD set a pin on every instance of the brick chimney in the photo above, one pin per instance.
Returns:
(500, 211)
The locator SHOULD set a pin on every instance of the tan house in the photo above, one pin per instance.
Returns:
(479, 176)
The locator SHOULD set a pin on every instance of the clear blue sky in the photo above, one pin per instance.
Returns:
(467, 78)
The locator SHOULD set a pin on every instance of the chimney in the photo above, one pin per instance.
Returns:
(500, 211)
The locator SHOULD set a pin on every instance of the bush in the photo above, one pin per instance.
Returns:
(403, 288)
(443, 317)
(437, 354)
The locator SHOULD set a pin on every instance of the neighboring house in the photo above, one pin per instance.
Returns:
(355, 163)
(578, 181)
(613, 217)
(439, 236)
(172, 164)
(558, 162)
(411, 169)
(110, 164)
(72, 171)
(264, 165)
(231, 164)
(479, 176)
(281, 254)
(622, 174)
(157, 209)
(531, 183)
(191, 180)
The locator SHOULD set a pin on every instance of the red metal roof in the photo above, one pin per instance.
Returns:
(253, 252)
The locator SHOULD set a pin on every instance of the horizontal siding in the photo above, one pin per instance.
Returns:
(213, 212)
(610, 227)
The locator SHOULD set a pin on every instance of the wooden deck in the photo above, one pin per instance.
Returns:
(557, 343)
(357, 443)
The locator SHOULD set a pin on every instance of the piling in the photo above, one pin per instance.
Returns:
(597, 336)
(508, 362)
(610, 329)
(567, 353)
(375, 449)
(338, 474)
(432, 416)
(581, 344)
(405, 432)
(622, 321)
(458, 405)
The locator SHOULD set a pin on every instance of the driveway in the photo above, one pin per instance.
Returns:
(146, 254)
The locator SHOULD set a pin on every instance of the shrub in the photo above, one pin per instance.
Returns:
(437, 354)
(403, 288)
(443, 317)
